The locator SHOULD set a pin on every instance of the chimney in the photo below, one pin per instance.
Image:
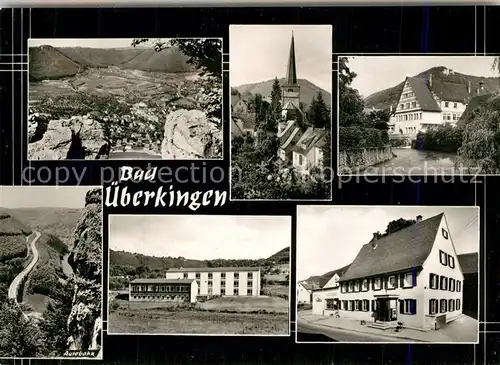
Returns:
(419, 218)
(468, 87)
(430, 80)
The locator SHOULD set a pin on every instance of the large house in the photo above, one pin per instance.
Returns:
(429, 101)
(410, 278)
(224, 281)
(163, 290)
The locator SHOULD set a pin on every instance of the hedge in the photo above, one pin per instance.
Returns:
(360, 137)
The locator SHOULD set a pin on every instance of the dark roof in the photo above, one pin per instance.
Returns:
(312, 137)
(423, 94)
(212, 269)
(291, 70)
(235, 128)
(469, 262)
(325, 278)
(401, 250)
(162, 281)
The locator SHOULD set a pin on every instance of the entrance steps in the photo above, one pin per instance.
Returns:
(382, 325)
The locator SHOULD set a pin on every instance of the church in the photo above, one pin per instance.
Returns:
(299, 145)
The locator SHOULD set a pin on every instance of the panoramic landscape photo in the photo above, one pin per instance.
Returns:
(419, 115)
(125, 99)
(281, 112)
(232, 278)
(51, 272)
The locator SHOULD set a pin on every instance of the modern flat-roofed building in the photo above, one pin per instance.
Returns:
(163, 290)
(225, 281)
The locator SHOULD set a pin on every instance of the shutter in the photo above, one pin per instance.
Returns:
(373, 305)
(402, 281)
(413, 306)
(414, 279)
(430, 306)
(401, 306)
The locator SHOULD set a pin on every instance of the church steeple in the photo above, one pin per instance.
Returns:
(291, 71)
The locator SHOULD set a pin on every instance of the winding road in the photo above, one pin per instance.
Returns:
(14, 286)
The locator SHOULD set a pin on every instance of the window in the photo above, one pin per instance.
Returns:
(235, 291)
(414, 104)
(451, 261)
(451, 285)
(210, 283)
(356, 305)
(446, 104)
(223, 283)
(443, 283)
(377, 284)
(433, 281)
(345, 305)
(343, 288)
(408, 306)
(210, 275)
(236, 283)
(365, 285)
(185, 275)
(443, 258)
(351, 305)
(300, 160)
(374, 305)
(391, 282)
(223, 291)
(249, 291)
(250, 276)
(366, 305)
(459, 286)
(223, 275)
(351, 287)
(330, 304)
(236, 275)
(451, 305)
(209, 291)
(445, 233)
(458, 304)
(356, 285)
(408, 280)
(197, 275)
(433, 306)
(442, 306)
(455, 105)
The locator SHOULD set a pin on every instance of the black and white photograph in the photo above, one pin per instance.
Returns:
(51, 272)
(418, 115)
(125, 99)
(231, 278)
(392, 274)
(281, 85)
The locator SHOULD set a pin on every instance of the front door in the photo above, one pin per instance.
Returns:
(386, 309)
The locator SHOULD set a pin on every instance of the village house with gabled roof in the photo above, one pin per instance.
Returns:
(325, 299)
(410, 277)
(429, 101)
(308, 152)
(304, 292)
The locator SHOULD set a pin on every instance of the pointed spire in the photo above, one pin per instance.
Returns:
(291, 72)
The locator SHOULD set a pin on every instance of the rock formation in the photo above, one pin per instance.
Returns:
(79, 137)
(86, 260)
(189, 135)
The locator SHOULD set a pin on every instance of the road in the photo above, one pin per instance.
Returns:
(14, 286)
(339, 335)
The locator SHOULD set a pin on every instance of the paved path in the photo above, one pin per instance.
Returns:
(14, 286)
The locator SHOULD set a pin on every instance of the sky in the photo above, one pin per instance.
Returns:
(82, 42)
(329, 238)
(377, 73)
(260, 53)
(200, 237)
(13, 197)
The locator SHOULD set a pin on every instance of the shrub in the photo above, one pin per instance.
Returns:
(359, 137)
(444, 138)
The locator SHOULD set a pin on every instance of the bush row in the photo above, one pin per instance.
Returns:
(360, 137)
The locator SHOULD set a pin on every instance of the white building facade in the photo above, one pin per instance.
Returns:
(419, 286)
(426, 103)
(223, 281)
(304, 293)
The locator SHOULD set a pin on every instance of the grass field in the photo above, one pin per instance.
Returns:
(276, 290)
(228, 315)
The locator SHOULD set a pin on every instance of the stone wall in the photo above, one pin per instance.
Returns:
(357, 159)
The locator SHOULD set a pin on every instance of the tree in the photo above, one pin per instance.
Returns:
(275, 107)
(378, 119)
(318, 113)
(260, 107)
(351, 104)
